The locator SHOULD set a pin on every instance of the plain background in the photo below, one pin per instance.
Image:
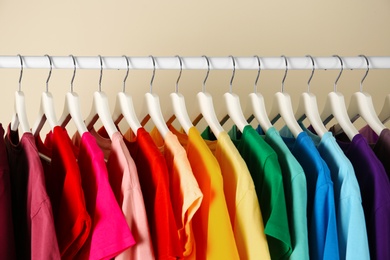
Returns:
(191, 28)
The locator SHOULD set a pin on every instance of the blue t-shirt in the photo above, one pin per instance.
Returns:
(351, 225)
(294, 182)
(323, 240)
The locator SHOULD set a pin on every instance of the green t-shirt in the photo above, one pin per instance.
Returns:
(264, 168)
(295, 189)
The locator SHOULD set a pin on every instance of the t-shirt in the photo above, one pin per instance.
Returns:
(379, 144)
(375, 192)
(212, 229)
(295, 191)
(264, 168)
(110, 235)
(185, 193)
(351, 224)
(34, 232)
(241, 198)
(321, 211)
(154, 180)
(123, 177)
(63, 184)
(7, 242)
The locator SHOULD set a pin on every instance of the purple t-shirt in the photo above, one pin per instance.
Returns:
(375, 191)
(35, 236)
(7, 245)
(379, 144)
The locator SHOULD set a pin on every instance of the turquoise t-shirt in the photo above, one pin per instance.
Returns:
(351, 224)
(321, 213)
(264, 168)
(295, 190)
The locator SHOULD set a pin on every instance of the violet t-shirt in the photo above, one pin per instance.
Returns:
(7, 243)
(35, 236)
(110, 235)
(375, 191)
(379, 144)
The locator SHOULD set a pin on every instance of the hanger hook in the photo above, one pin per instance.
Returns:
(341, 71)
(312, 72)
(285, 72)
(127, 72)
(207, 74)
(234, 72)
(178, 78)
(48, 77)
(74, 73)
(258, 73)
(365, 75)
(154, 73)
(101, 73)
(21, 72)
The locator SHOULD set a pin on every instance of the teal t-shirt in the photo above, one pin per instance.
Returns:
(321, 212)
(295, 190)
(264, 168)
(351, 224)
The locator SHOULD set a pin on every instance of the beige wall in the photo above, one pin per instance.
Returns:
(191, 28)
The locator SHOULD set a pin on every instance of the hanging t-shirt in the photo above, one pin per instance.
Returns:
(212, 229)
(379, 144)
(351, 224)
(241, 198)
(375, 192)
(7, 242)
(123, 177)
(34, 231)
(110, 235)
(321, 211)
(264, 168)
(294, 182)
(153, 177)
(185, 193)
(63, 184)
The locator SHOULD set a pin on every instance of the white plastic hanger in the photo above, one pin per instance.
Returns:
(20, 115)
(361, 106)
(124, 107)
(308, 107)
(335, 107)
(154, 109)
(179, 105)
(205, 103)
(46, 108)
(384, 115)
(232, 103)
(100, 108)
(281, 107)
(258, 105)
(72, 108)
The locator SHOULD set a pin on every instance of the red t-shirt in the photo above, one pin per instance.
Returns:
(110, 234)
(63, 182)
(153, 177)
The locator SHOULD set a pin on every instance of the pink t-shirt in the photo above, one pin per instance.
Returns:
(124, 181)
(35, 236)
(110, 235)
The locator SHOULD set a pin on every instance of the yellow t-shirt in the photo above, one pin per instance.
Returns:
(213, 232)
(241, 198)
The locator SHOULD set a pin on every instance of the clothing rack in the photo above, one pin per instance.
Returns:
(195, 63)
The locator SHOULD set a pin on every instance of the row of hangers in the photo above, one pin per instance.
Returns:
(360, 106)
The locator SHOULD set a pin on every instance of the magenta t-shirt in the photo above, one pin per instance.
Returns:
(110, 235)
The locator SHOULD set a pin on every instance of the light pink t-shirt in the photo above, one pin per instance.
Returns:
(124, 181)
(110, 234)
